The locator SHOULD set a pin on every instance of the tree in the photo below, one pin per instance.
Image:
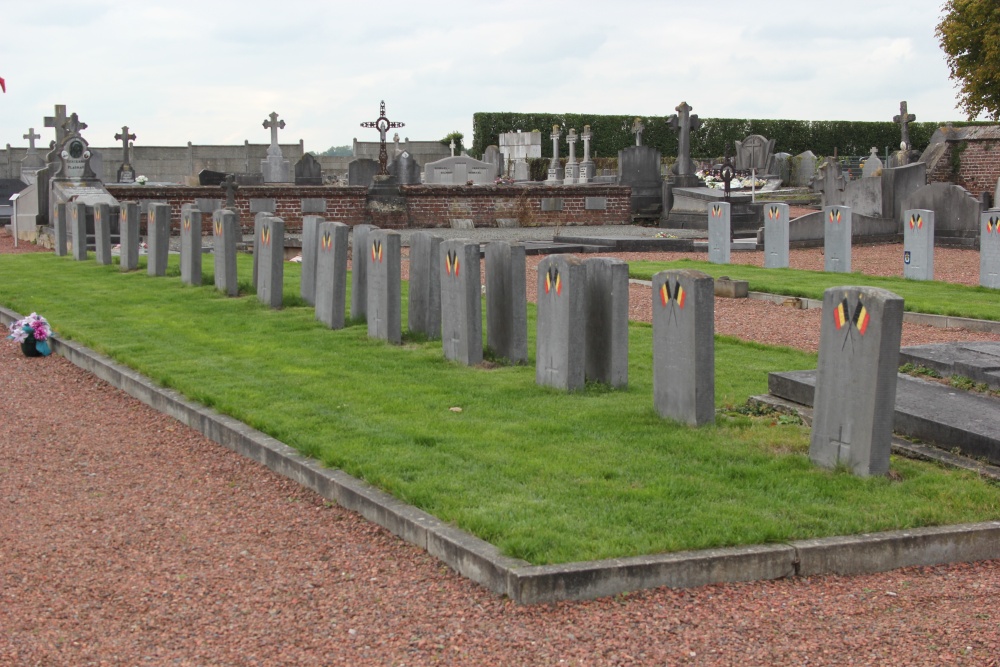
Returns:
(339, 151)
(457, 136)
(969, 33)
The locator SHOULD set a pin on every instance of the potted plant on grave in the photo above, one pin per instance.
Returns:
(33, 333)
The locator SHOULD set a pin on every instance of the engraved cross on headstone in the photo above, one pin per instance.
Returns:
(73, 125)
(124, 137)
(637, 128)
(683, 122)
(230, 186)
(31, 136)
(383, 125)
(903, 120)
(56, 123)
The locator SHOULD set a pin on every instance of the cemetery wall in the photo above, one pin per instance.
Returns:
(973, 164)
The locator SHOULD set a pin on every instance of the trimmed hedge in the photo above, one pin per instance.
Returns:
(712, 139)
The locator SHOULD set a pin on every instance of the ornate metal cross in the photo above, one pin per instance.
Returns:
(903, 120)
(230, 186)
(125, 137)
(56, 122)
(31, 136)
(383, 125)
(274, 125)
(73, 125)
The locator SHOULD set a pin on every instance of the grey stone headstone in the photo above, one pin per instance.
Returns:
(802, 169)
(776, 236)
(78, 229)
(206, 205)
(360, 249)
(226, 229)
(60, 226)
(362, 172)
(271, 272)
(837, 239)
(639, 168)
(782, 167)
(331, 274)
(424, 301)
(873, 165)
(996, 192)
(128, 225)
(506, 301)
(191, 246)
(102, 234)
(719, 233)
(493, 156)
(315, 205)
(406, 169)
(989, 249)
(684, 346)
(384, 289)
(310, 249)
(308, 171)
(158, 238)
(560, 351)
(918, 244)
(258, 220)
(461, 301)
(855, 395)
(607, 321)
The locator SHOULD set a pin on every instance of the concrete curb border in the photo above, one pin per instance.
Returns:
(529, 584)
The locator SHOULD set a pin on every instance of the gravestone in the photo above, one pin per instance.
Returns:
(639, 168)
(556, 172)
(126, 174)
(903, 119)
(719, 233)
(383, 275)
(918, 244)
(606, 304)
(406, 169)
(459, 171)
(872, 166)
(359, 270)
(836, 239)
(587, 168)
(158, 235)
(331, 274)
(802, 169)
(560, 351)
(461, 301)
(33, 161)
(572, 168)
(209, 177)
(191, 246)
(128, 229)
(102, 233)
(755, 152)
(684, 346)
(60, 225)
(517, 148)
(493, 157)
(782, 167)
(258, 221)
(506, 301)
(78, 227)
(274, 168)
(308, 171)
(226, 231)
(989, 249)
(310, 249)
(855, 395)
(682, 123)
(361, 172)
(776, 236)
(424, 304)
(271, 272)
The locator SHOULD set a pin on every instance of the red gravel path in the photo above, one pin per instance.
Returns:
(128, 539)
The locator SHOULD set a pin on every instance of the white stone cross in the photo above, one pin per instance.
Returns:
(31, 136)
(452, 147)
(274, 125)
(903, 120)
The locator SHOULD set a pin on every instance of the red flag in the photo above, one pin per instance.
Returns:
(3, 85)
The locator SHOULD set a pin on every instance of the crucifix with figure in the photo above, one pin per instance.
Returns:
(383, 125)
(903, 120)
(125, 137)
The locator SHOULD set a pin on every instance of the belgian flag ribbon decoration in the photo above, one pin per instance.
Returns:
(993, 224)
(265, 235)
(676, 294)
(553, 281)
(834, 216)
(218, 227)
(840, 314)
(377, 251)
(451, 263)
(916, 221)
(860, 318)
(187, 223)
(716, 210)
(326, 243)
(772, 213)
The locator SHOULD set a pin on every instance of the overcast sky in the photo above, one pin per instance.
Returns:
(210, 71)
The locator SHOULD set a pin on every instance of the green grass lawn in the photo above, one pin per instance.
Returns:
(920, 296)
(546, 476)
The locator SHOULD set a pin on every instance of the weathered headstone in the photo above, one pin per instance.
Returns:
(873, 165)
(59, 226)
(755, 153)
(271, 272)
(308, 171)
(33, 162)
(684, 346)
(719, 232)
(639, 168)
(855, 395)
(461, 301)
(506, 301)
(191, 246)
(158, 235)
(406, 169)
(424, 301)
(274, 167)
(903, 119)
(802, 169)
(226, 231)
(362, 172)
(384, 293)
(682, 123)
(556, 172)
(258, 222)
(776, 236)
(607, 321)
(560, 351)
(493, 156)
(128, 229)
(310, 249)
(102, 233)
(359, 270)
(78, 227)
(837, 239)
(331, 274)
(126, 174)
(989, 249)
(572, 169)
(918, 244)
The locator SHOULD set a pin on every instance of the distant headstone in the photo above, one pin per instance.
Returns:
(560, 354)
(225, 228)
(424, 305)
(361, 172)
(459, 171)
(158, 235)
(230, 186)
(639, 168)
(572, 169)
(903, 119)
(274, 167)
(782, 167)
(405, 168)
(989, 249)
(126, 174)
(606, 304)
(556, 172)
(587, 168)
(837, 239)
(684, 346)
(78, 229)
(359, 270)
(258, 221)
(191, 246)
(331, 274)
(873, 165)
(308, 171)
(384, 293)
(719, 233)
(60, 226)
(855, 394)
(506, 301)
(682, 123)
(461, 301)
(517, 148)
(755, 152)
(33, 161)
(918, 244)
(802, 168)
(271, 272)
(128, 229)
(776, 236)
(102, 234)
(310, 250)
(209, 177)
(493, 156)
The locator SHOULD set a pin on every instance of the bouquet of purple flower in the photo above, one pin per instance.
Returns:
(33, 327)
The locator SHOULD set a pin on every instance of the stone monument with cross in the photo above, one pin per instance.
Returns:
(637, 129)
(572, 169)
(32, 161)
(587, 167)
(230, 186)
(683, 122)
(126, 174)
(556, 172)
(906, 154)
(275, 168)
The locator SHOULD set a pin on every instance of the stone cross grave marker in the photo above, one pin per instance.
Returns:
(225, 231)
(359, 270)
(776, 236)
(383, 125)
(331, 274)
(74, 125)
(125, 172)
(554, 162)
(78, 228)
(683, 122)
(384, 289)
(102, 234)
(452, 147)
(903, 119)
(191, 246)
(128, 230)
(918, 244)
(572, 167)
(837, 239)
(560, 350)
(310, 251)
(56, 122)
(230, 186)
(855, 395)
(158, 233)
(719, 232)
(684, 346)
(59, 225)
(637, 129)
(461, 301)
(31, 136)
(587, 168)
(272, 123)
(424, 302)
(271, 272)
(506, 301)
(606, 304)
(989, 249)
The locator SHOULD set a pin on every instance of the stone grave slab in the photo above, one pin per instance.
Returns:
(989, 249)
(226, 231)
(461, 301)
(606, 321)
(506, 301)
(102, 234)
(78, 228)
(359, 270)
(258, 221)
(158, 235)
(980, 362)
(128, 227)
(331, 274)
(384, 289)
(271, 272)
(60, 225)
(191, 246)
(424, 300)
(310, 249)
(560, 353)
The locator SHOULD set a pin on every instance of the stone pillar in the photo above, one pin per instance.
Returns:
(461, 301)
(102, 234)
(837, 239)
(359, 270)
(78, 227)
(506, 301)
(560, 355)
(383, 276)
(572, 168)
(271, 272)
(331, 274)
(918, 244)
(310, 232)
(128, 230)
(555, 171)
(226, 229)
(59, 226)
(158, 235)
(587, 168)
(719, 233)
(776, 236)
(607, 321)
(423, 313)
(989, 249)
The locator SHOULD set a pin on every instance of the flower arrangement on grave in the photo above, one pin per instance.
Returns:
(141, 180)
(33, 333)
(713, 179)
